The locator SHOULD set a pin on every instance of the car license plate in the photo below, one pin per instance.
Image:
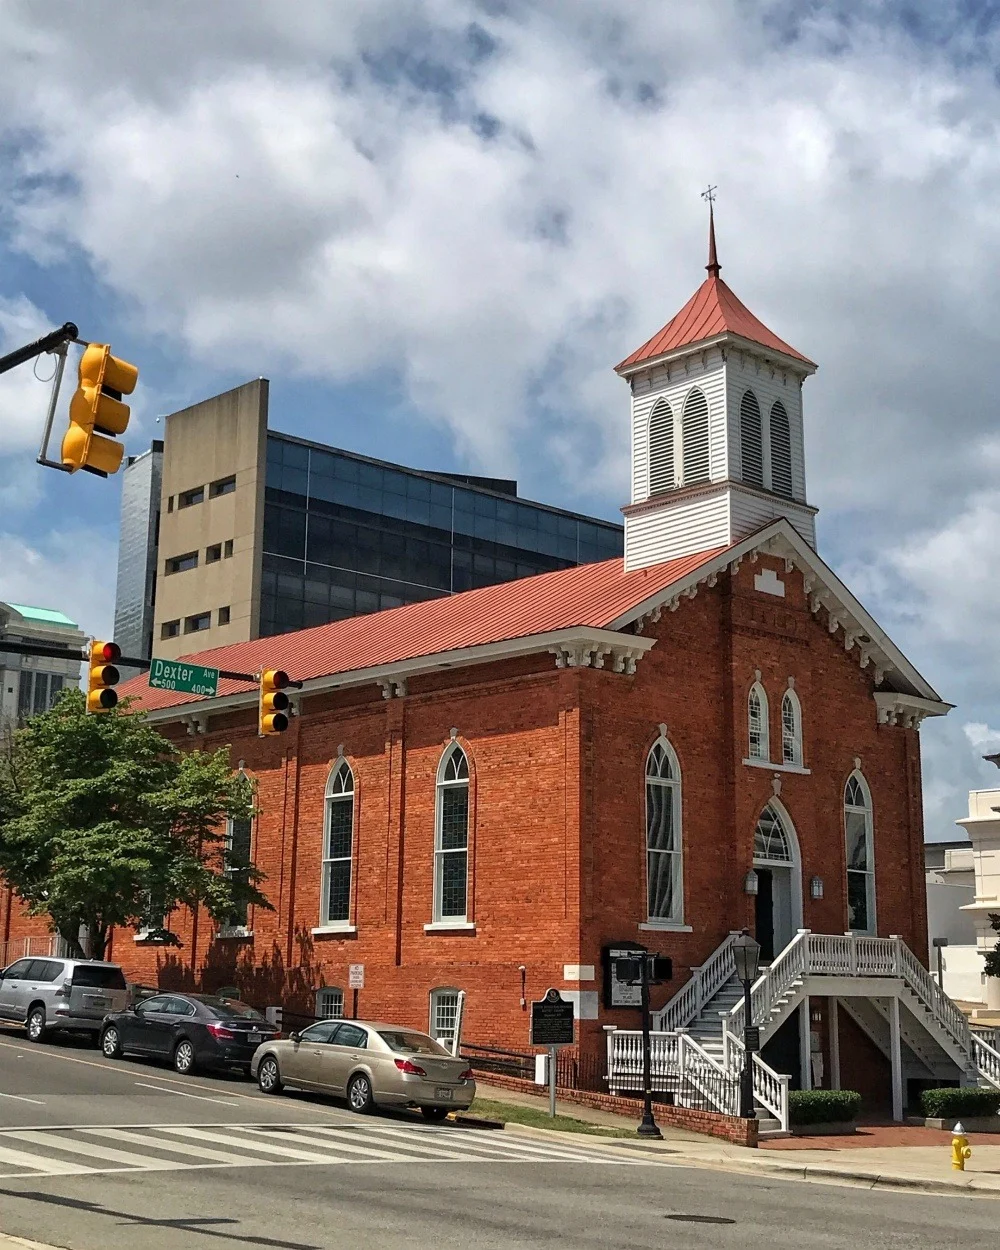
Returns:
(254, 1038)
(97, 1002)
(443, 1094)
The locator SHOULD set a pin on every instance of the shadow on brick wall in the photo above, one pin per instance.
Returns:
(263, 980)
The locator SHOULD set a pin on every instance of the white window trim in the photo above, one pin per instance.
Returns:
(433, 1005)
(765, 724)
(326, 925)
(779, 768)
(674, 786)
(451, 926)
(869, 814)
(440, 921)
(666, 926)
(322, 930)
(795, 737)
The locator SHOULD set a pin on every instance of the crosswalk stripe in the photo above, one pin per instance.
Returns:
(197, 1134)
(336, 1144)
(492, 1145)
(79, 1147)
(55, 1167)
(432, 1149)
(172, 1147)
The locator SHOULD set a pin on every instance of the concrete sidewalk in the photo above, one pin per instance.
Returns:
(921, 1168)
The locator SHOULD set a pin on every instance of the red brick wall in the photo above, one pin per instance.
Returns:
(864, 1068)
(557, 816)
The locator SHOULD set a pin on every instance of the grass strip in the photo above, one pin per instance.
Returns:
(535, 1117)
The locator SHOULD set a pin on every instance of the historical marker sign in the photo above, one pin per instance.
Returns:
(178, 675)
(552, 1021)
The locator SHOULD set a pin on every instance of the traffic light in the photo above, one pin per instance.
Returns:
(102, 676)
(96, 411)
(271, 718)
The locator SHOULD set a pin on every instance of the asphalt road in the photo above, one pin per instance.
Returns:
(103, 1155)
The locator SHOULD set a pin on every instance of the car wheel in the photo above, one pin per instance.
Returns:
(434, 1114)
(111, 1042)
(359, 1094)
(36, 1024)
(184, 1061)
(268, 1076)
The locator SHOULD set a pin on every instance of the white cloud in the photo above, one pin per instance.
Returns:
(24, 395)
(981, 737)
(58, 571)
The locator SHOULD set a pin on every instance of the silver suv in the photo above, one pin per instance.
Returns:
(49, 994)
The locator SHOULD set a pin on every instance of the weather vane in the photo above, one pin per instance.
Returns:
(709, 194)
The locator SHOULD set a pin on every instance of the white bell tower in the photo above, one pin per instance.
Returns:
(717, 446)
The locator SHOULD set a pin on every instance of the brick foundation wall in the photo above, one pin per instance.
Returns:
(712, 1123)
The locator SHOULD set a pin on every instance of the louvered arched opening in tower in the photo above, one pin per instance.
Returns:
(751, 440)
(661, 449)
(781, 451)
(694, 426)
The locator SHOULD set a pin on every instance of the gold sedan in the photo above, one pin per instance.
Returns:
(371, 1065)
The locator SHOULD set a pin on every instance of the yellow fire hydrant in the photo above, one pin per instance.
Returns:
(960, 1148)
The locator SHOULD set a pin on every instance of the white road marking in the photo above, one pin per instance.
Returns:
(491, 1140)
(20, 1098)
(77, 1146)
(338, 1143)
(201, 1153)
(21, 1158)
(226, 1139)
(166, 1089)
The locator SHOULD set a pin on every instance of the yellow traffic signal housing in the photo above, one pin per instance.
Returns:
(271, 717)
(103, 676)
(96, 412)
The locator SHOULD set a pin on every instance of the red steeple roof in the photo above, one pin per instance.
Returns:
(712, 310)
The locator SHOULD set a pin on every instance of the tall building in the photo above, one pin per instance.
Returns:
(138, 537)
(233, 532)
(30, 684)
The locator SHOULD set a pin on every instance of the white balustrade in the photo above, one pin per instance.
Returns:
(702, 986)
(987, 1059)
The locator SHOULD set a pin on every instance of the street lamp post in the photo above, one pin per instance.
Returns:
(746, 955)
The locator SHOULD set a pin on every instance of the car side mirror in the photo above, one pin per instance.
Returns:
(295, 1037)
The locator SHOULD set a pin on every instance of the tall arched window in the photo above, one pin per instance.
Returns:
(771, 844)
(662, 475)
(696, 442)
(338, 846)
(751, 440)
(791, 728)
(757, 724)
(238, 849)
(781, 451)
(451, 843)
(664, 850)
(859, 834)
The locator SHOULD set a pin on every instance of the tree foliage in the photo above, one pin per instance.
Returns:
(104, 823)
(993, 957)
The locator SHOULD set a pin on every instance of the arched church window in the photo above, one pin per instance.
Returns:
(791, 728)
(781, 451)
(859, 835)
(696, 440)
(451, 841)
(751, 440)
(664, 860)
(757, 723)
(338, 846)
(661, 449)
(770, 840)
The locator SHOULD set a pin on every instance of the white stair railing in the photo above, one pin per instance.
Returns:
(770, 1088)
(702, 986)
(986, 1059)
(772, 984)
(625, 1059)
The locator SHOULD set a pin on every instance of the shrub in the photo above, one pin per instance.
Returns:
(946, 1104)
(823, 1106)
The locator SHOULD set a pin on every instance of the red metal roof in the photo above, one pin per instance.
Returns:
(589, 594)
(712, 310)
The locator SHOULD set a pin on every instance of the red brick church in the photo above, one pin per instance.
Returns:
(488, 792)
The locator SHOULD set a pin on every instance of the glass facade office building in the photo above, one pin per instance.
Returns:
(345, 535)
(137, 553)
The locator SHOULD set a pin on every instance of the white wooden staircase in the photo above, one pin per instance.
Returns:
(879, 982)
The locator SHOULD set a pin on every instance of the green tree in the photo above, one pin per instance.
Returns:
(993, 957)
(104, 823)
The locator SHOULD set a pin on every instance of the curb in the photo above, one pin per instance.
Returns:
(8, 1239)
(849, 1176)
(476, 1121)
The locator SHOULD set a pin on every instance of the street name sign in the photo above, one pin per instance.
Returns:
(552, 1021)
(189, 678)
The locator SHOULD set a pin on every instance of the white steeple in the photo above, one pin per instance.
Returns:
(717, 446)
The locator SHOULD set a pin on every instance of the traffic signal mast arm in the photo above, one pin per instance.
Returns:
(52, 341)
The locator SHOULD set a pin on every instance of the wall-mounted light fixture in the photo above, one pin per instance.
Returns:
(524, 972)
(816, 887)
(751, 883)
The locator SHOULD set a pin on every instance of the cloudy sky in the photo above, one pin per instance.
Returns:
(436, 225)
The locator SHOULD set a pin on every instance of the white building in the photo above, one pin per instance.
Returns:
(30, 684)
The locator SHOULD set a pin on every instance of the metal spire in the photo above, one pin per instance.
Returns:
(713, 265)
